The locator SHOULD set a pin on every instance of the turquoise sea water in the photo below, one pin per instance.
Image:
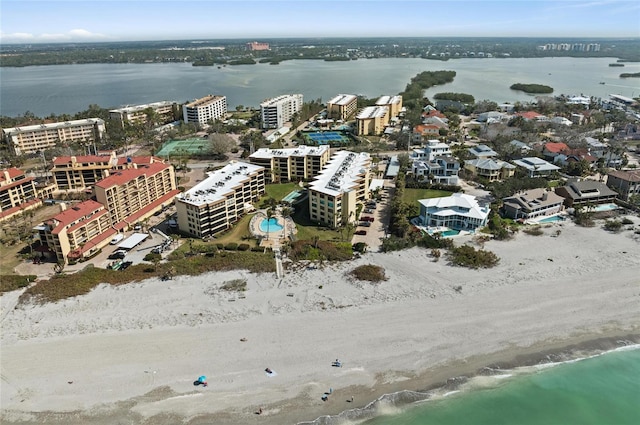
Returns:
(602, 390)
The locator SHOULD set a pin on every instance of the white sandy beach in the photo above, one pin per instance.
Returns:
(130, 354)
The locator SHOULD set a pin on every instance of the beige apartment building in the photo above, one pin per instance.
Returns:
(292, 164)
(165, 110)
(135, 193)
(17, 193)
(342, 107)
(77, 231)
(340, 187)
(82, 172)
(394, 103)
(214, 204)
(36, 138)
(201, 111)
(372, 120)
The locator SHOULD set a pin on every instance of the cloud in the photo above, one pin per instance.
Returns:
(77, 35)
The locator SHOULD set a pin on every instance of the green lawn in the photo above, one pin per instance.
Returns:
(279, 191)
(307, 229)
(412, 196)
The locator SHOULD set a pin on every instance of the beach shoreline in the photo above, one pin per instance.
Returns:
(132, 352)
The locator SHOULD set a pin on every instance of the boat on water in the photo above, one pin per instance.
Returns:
(601, 82)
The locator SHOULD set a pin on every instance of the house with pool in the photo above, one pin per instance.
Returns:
(460, 212)
(216, 203)
(587, 192)
(532, 204)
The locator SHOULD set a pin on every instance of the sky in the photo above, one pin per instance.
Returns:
(33, 21)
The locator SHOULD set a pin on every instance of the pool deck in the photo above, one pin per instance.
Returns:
(273, 238)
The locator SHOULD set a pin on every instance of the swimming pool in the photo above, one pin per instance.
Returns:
(605, 207)
(552, 219)
(270, 225)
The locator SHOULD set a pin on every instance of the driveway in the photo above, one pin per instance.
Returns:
(380, 225)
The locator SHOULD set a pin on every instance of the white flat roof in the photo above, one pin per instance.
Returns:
(340, 173)
(343, 99)
(302, 150)
(55, 125)
(281, 98)
(388, 100)
(373, 112)
(142, 107)
(133, 240)
(535, 163)
(218, 183)
(456, 204)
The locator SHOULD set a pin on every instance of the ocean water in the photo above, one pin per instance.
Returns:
(601, 390)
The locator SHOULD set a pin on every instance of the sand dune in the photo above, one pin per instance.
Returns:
(131, 353)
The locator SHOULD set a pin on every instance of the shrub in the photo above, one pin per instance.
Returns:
(243, 247)
(627, 220)
(257, 249)
(231, 246)
(360, 247)
(468, 256)
(369, 272)
(219, 245)
(239, 285)
(533, 231)
(151, 257)
(613, 225)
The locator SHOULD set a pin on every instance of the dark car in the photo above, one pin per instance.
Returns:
(361, 232)
(118, 255)
(125, 265)
(367, 219)
(365, 224)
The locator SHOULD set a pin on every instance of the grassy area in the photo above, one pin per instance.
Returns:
(279, 191)
(307, 230)
(412, 196)
(14, 281)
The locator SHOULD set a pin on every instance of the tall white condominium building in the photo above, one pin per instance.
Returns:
(220, 200)
(34, 138)
(278, 110)
(164, 110)
(340, 187)
(200, 111)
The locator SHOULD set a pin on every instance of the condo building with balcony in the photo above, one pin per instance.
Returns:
(35, 138)
(340, 187)
(18, 193)
(372, 120)
(342, 106)
(291, 164)
(135, 193)
(394, 103)
(165, 110)
(214, 204)
(276, 111)
(77, 231)
(82, 172)
(201, 111)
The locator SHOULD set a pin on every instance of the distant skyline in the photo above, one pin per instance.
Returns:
(33, 21)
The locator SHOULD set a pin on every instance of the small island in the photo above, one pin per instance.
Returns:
(630, 75)
(458, 97)
(532, 88)
(616, 64)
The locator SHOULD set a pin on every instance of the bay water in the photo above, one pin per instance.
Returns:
(601, 390)
(72, 88)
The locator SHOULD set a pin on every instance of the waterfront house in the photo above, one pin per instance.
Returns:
(490, 169)
(532, 203)
(625, 183)
(536, 167)
(583, 192)
(458, 211)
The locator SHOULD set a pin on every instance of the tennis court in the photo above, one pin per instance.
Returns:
(195, 146)
(327, 138)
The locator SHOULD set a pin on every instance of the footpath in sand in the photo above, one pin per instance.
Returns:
(130, 354)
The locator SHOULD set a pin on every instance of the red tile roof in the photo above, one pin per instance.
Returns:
(433, 113)
(83, 159)
(16, 183)
(529, 115)
(121, 177)
(74, 213)
(13, 210)
(555, 147)
(84, 222)
(13, 173)
(424, 127)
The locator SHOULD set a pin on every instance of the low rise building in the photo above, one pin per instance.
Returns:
(340, 187)
(482, 151)
(625, 183)
(458, 211)
(205, 109)
(291, 164)
(135, 193)
(275, 112)
(394, 103)
(35, 138)
(165, 112)
(372, 120)
(490, 169)
(214, 204)
(342, 106)
(536, 167)
(531, 204)
(586, 192)
(18, 193)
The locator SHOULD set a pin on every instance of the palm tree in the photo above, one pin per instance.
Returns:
(269, 216)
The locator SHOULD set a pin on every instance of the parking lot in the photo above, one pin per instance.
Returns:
(378, 227)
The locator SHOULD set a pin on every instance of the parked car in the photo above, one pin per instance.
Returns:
(365, 224)
(118, 255)
(367, 219)
(368, 210)
(137, 227)
(125, 265)
(361, 232)
(117, 238)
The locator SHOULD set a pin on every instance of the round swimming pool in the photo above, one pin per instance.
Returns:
(270, 225)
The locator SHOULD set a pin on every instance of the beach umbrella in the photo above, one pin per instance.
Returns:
(202, 378)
